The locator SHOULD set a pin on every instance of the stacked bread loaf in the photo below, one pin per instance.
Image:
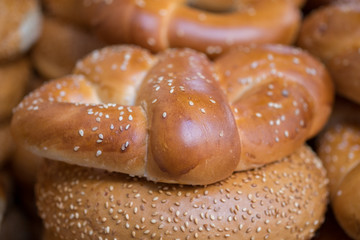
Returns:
(196, 128)
(168, 144)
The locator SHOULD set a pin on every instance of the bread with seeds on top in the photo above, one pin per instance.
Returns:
(339, 149)
(177, 117)
(283, 200)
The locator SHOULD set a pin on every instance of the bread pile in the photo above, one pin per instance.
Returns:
(185, 119)
(20, 24)
(332, 33)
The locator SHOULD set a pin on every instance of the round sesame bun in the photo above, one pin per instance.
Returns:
(283, 200)
(20, 25)
(339, 149)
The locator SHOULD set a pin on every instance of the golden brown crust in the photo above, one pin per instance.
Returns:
(59, 47)
(158, 25)
(338, 147)
(25, 166)
(277, 94)
(177, 117)
(314, 4)
(6, 142)
(14, 78)
(2, 202)
(20, 24)
(284, 200)
(228, 5)
(333, 34)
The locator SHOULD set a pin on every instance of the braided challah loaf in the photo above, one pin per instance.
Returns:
(339, 148)
(176, 116)
(160, 24)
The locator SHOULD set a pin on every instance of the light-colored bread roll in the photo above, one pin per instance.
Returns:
(283, 200)
(20, 26)
(339, 148)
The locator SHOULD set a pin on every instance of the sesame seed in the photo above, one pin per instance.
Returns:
(285, 93)
(76, 148)
(81, 132)
(221, 133)
(311, 71)
(164, 114)
(191, 103)
(98, 153)
(130, 117)
(254, 65)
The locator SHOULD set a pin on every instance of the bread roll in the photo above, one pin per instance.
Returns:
(339, 148)
(20, 26)
(60, 46)
(332, 33)
(158, 25)
(283, 200)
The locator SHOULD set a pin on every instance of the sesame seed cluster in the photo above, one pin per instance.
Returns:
(338, 146)
(283, 200)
